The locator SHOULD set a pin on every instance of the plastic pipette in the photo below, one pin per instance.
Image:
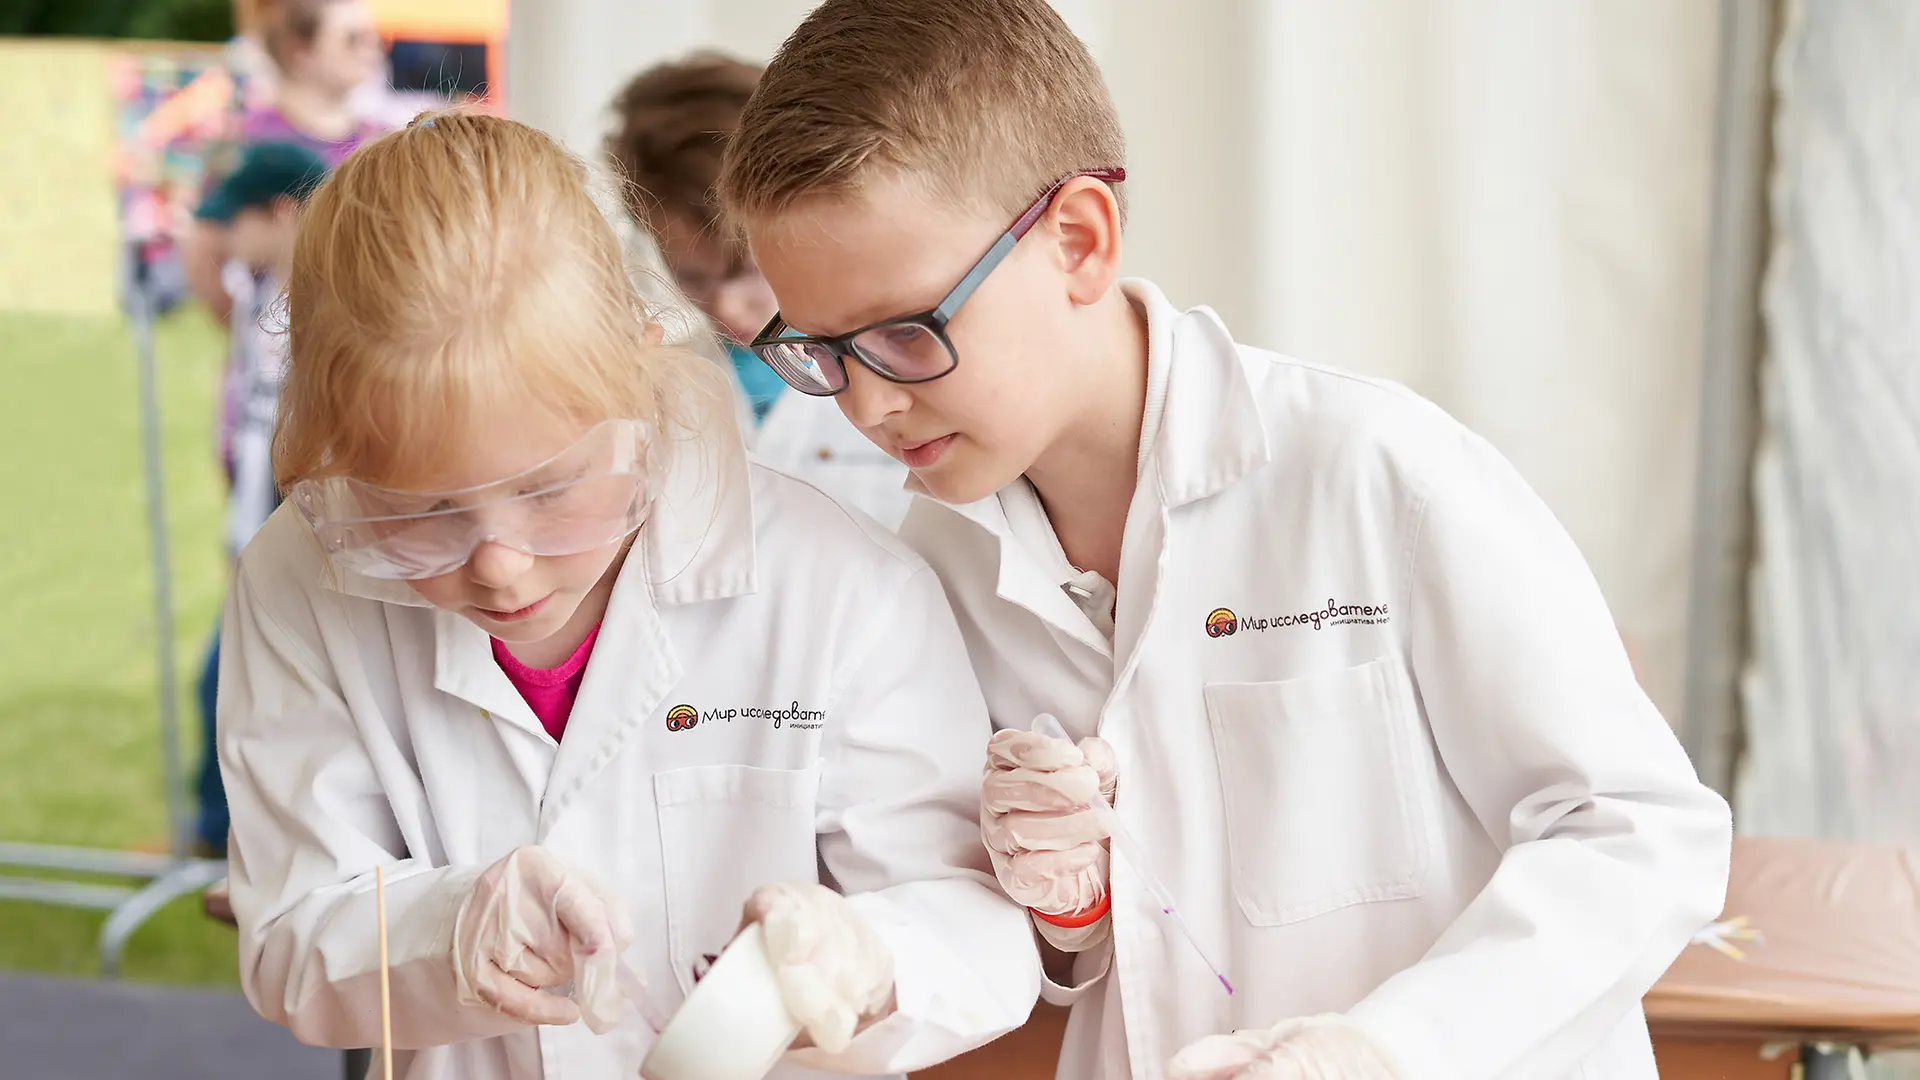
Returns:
(1129, 849)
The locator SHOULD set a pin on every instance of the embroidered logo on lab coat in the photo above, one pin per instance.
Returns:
(792, 716)
(1222, 622)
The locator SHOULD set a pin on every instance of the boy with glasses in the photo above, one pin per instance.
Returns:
(1363, 708)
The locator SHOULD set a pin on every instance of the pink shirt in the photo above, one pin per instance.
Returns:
(549, 692)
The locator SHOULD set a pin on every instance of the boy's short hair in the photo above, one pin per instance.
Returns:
(672, 124)
(987, 102)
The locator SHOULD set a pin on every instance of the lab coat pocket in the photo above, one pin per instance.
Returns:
(725, 830)
(1319, 797)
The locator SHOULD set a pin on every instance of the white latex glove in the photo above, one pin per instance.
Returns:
(1047, 848)
(532, 922)
(835, 973)
(1328, 1047)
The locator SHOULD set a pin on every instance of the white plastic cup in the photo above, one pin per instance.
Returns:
(735, 1024)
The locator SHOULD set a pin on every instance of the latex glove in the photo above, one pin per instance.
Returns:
(1328, 1047)
(1048, 850)
(835, 973)
(530, 923)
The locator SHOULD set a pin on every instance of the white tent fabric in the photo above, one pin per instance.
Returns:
(1832, 697)
(1504, 205)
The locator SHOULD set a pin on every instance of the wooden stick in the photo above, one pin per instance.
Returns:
(386, 1006)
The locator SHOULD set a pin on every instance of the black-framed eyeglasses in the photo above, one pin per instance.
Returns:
(906, 349)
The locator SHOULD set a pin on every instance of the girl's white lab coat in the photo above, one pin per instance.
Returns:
(834, 729)
(1375, 728)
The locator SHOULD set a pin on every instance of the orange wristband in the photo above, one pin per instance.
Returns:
(1075, 922)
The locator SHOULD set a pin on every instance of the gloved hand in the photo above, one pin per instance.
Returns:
(1328, 1047)
(532, 922)
(1047, 848)
(835, 973)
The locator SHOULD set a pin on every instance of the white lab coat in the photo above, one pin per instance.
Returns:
(811, 438)
(840, 733)
(1417, 783)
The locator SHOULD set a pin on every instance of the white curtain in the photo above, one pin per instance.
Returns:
(1833, 696)
(1501, 203)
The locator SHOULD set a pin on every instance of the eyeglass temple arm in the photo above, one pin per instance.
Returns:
(1011, 237)
(770, 331)
(978, 274)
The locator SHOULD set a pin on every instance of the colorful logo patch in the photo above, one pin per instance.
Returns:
(1222, 622)
(682, 717)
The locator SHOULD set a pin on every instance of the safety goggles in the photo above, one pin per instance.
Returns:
(907, 349)
(590, 494)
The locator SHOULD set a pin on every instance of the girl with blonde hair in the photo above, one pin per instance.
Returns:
(532, 634)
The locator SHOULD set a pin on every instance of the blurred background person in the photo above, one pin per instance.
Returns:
(320, 55)
(258, 204)
(305, 68)
(671, 125)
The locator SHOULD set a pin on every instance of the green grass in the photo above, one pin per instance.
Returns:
(79, 710)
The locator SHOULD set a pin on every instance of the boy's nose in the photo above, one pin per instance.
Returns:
(495, 566)
(869, 399)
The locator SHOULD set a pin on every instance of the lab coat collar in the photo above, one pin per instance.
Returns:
(1202, 429)
(699, 539)
(1210, 430)
(697, 545)
(616, 696)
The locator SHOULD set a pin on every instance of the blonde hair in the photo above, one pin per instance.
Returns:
(987, 103)
(452, 273)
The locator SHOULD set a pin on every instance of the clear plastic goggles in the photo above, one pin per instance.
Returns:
(590, 494)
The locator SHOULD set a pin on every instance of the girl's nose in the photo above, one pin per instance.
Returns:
(497, 566)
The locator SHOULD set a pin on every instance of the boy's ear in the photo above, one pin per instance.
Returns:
(1085, 221)
(286, 208)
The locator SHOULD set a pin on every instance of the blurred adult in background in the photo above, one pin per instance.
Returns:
(377, 102)
(319, 55)
(672, 123)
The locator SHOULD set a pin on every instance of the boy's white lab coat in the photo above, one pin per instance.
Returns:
(835, 727)
(1375, 728)
(811, 438)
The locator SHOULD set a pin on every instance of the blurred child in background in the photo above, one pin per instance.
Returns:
(258, 204)
(672, 125)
